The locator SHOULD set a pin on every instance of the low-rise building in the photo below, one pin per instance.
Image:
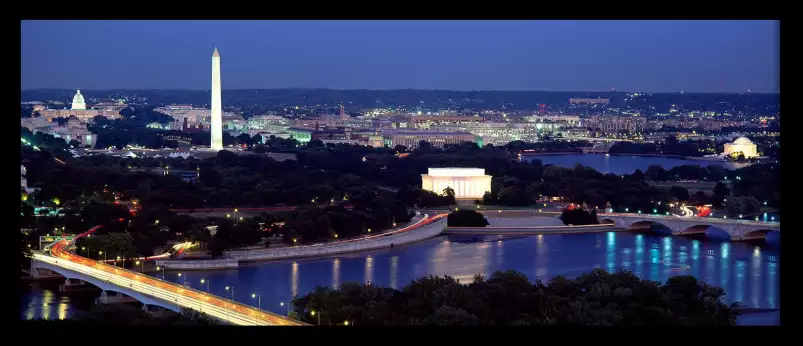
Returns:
(411, 139)
(612, 123)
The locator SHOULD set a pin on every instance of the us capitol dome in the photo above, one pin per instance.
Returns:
(78, 101)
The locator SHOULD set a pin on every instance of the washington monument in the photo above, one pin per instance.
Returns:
(217, 112)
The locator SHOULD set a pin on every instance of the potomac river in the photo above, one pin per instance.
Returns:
(623, 164)
(748, 273)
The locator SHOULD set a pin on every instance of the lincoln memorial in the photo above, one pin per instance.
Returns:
(467, 183)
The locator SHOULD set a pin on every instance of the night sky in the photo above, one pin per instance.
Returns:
(645, 56)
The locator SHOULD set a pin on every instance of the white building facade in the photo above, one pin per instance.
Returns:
(467, 183)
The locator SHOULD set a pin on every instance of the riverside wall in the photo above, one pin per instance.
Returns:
(432, 230)
(210, 264)
(531, 230)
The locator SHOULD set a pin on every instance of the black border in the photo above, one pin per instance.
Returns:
(790, 58)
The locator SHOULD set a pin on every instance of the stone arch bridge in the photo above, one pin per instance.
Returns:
(737, 229)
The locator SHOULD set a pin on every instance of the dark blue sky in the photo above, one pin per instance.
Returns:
(648, 56)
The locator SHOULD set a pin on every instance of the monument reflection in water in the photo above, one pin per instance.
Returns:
(748, 273)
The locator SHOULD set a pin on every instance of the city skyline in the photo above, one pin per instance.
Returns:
(661, 56)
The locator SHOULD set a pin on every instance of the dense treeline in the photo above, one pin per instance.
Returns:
(381, 186)
(671, 146)
(508, 298)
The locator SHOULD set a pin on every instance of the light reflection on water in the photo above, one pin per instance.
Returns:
(46, 302)
(537, 257)
(747, 275)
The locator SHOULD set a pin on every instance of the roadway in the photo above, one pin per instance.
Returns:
(224, 309)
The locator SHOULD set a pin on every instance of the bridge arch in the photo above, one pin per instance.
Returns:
(707, 230)
(760, 234)
(606, 220)
(103, 285)
(651, 226)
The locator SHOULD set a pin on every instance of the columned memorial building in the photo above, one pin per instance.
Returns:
(467, 183)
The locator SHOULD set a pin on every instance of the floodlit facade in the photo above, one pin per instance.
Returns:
(741, 145)
(436, 139)
(467, 183)
(78, 101)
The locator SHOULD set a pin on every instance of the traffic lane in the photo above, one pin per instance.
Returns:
(58, 250)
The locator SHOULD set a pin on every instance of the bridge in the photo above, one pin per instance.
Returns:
(148, 290)
(736, 229)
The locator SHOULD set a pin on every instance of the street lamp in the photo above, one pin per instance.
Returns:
(207, 284)
(185, 279)
(288, 307)
(312, 313)
(104, 255)
(231, 288)
(143, 265)
(235, 212)
(345, 323)
(115, 260)
(158, 268)
(259, 300)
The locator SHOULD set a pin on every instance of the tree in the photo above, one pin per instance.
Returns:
(508, 298)
(656, 173)
(579, 217)
(466, 218)
(745, 205)
(700, 197)
(315, 143)
(680, 193)
(721, 190)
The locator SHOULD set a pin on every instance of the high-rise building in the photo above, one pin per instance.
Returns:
(217, 109)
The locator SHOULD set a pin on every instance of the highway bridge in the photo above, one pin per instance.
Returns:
(149, 290)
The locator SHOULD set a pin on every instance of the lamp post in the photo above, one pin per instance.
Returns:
(288, 307)
(259, 300)
(313, 313)
(207, 284)
(185, 279)
(115, 260)
(231, 288)
(143, 266)
(235, 213)
(104, 255)
(162, 269)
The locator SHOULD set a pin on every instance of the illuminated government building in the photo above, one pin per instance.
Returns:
(741, 145)
(467, 183)
(80, 111)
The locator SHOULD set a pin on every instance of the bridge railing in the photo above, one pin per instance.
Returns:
(706, 219)
(74, 265)
(150, 291)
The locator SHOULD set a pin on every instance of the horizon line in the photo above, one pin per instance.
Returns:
(415, 89)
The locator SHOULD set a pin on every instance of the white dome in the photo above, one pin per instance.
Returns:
(742, 141)
(78, 101)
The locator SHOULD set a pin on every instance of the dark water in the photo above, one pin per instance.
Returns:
(43, 300)
(748, 273)
(623, 164)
